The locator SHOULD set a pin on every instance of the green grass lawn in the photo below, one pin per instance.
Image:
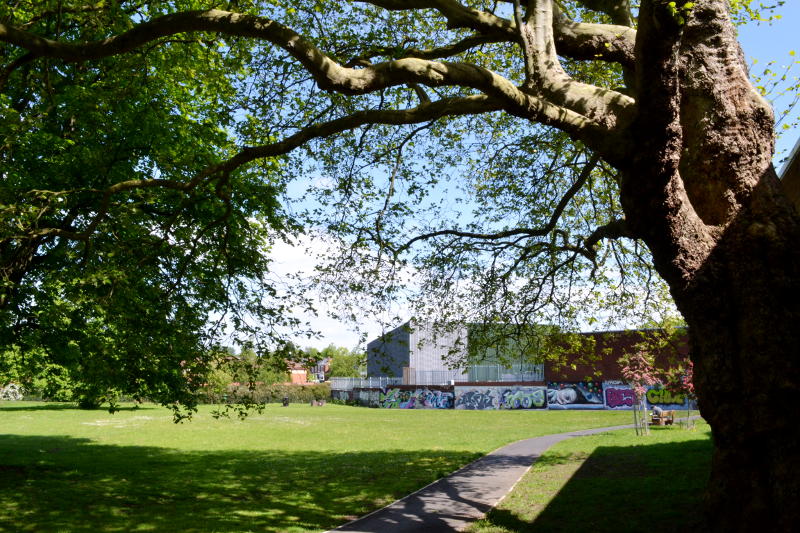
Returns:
(612, 482)
(298, 468)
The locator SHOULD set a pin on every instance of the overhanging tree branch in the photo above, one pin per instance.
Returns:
(518, 232)
(594, 128)
(424, 113)
(577, 40)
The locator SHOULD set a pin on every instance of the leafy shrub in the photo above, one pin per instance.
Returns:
(267, 393)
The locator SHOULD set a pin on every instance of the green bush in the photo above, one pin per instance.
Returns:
(264, 393)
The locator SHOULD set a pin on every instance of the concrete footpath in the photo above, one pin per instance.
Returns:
(455, 501)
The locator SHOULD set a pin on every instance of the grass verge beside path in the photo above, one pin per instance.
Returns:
(290, 469)
(611, 482)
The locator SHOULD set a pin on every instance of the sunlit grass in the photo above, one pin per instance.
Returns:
(297, 468)
(612, 482)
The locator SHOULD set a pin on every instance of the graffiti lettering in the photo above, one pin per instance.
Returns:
(665, 397)
(417, 399)
(477, 399)
(397, 399)
(428, 399)
(620, 397)
(494, 398)
(523, 398)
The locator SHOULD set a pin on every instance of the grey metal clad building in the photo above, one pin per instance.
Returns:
(418, 353)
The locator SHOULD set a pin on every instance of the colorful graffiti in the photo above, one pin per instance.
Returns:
(575, 395)
(396, 399)
(524, 398)
(482, 398)
(477, 398)
(416, 399)
(665, 399)
(433, 399)
(618, 395)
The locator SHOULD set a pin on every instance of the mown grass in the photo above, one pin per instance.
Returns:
(290, 469)
(611, 482)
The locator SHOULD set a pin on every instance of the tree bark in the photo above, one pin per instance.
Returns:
(702, 193)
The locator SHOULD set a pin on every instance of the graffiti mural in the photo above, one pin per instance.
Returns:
(657, 396)
(511, 397)
(396, 398)
(618, 395)
(524, 398)
(433, 399)
(574, 395)
(477, 398)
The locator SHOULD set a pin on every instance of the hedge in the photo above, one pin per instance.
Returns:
(274, 393)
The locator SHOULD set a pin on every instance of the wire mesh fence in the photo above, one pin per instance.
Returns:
(525, 372)
(514, 372)
(364, 383)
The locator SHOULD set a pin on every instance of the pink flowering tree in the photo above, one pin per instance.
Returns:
(681, 380)
(638, 369)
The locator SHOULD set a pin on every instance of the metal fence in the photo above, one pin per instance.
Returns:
(436, 377)
(514, 372)
(519, 372)
(364, 383)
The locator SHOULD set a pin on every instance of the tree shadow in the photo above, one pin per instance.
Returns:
(53, 406)
(73, 484)
(657, 487)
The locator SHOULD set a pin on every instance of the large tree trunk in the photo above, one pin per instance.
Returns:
(743, 308)
(702, 193)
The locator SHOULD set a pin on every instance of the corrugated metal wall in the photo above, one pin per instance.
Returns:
(431, 349)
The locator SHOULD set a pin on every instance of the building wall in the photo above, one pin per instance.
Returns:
(609, 346)
(423, 349)
(430, 350)
(388, 354)
(299, 376)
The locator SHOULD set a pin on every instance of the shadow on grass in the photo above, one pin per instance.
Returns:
(50, 406)
(69, 484)
(654, 488)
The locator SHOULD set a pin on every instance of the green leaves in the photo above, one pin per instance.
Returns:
(124, 291)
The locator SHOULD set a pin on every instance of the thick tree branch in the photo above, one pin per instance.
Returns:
(457, 14)
(591, 123)
(580, 40)
(330, 75)
(618, 10)
(616, 229)
(574, 39)
(423, 113)
(604, 106)
(451, 50)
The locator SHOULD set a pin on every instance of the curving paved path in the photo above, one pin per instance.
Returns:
(455, 501)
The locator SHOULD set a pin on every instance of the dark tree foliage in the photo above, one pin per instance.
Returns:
(120, 260)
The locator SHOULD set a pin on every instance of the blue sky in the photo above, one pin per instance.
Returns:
(773, 41)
